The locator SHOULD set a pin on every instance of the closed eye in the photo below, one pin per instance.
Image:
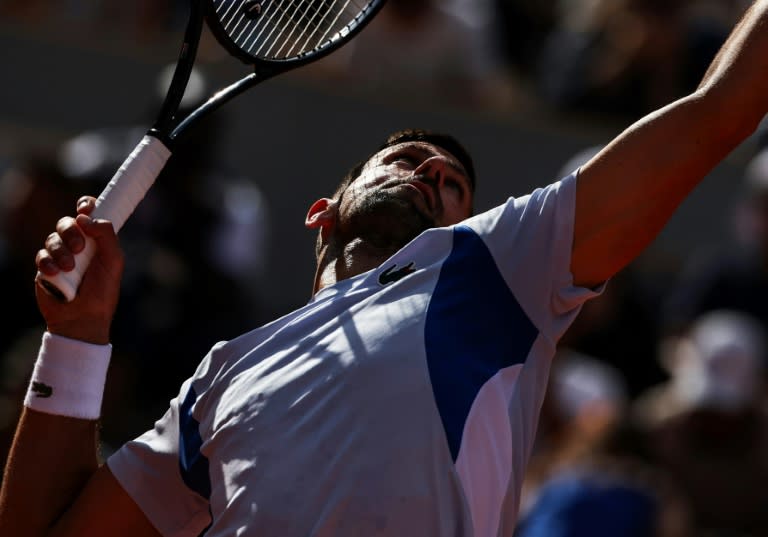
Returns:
(458, 186)
(406, 159)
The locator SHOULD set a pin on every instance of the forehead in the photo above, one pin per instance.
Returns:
(420, 149)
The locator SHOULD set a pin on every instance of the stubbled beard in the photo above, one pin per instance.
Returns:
(387, 221)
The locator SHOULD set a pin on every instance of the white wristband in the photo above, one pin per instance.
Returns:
(69, 378)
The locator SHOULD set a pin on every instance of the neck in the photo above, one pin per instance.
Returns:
(340, 262)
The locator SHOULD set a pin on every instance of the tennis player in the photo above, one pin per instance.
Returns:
(402, 399)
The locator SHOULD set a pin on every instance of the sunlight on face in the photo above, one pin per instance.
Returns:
(427, 177)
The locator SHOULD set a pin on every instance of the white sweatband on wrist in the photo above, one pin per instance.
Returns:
(69, 377)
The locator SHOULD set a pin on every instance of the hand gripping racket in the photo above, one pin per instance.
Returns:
(272, 36)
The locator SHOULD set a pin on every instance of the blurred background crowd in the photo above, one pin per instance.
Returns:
(655, 423)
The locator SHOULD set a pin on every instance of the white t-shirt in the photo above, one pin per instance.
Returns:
(401, 402)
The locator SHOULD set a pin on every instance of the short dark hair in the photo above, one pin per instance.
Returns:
(444, 141)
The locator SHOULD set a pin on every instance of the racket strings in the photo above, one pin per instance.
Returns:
(265, 22)
(312, 21)
(282, 29)
(284, 25)
(295, 16)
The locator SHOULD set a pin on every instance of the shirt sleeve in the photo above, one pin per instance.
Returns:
(530, 239)
(164, 471)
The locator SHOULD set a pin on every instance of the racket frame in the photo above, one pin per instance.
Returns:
(263, 66)
(166, 119)
(263, 69)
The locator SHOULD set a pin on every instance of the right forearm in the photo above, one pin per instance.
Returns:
(54, 451)
(50, 462)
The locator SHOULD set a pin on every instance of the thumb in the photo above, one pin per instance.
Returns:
(105, 237)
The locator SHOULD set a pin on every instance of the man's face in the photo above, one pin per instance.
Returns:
(412, 185)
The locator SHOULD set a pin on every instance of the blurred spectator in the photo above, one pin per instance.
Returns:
(426, 50)
(734, 276)
(718, 364)
(607, 500)
(708, 426)
(523, 27)
(143, 20)
(511, 29)
(585, 401)
(588, 476)
(614, 57)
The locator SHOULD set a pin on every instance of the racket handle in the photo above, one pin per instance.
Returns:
(116, 203)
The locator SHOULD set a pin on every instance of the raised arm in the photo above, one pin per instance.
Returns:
(627, 193)
(53, 483)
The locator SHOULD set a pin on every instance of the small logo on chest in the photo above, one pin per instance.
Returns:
(393, 274)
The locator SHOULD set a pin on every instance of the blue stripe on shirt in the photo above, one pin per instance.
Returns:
(192, 464)
(474, 328)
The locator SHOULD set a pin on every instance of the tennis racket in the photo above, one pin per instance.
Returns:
(272, 36)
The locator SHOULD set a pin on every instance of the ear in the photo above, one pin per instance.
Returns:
(322, 214)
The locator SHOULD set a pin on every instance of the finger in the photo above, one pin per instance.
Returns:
(71, 234)
(58, 252)
(45, 263)
(86, 205)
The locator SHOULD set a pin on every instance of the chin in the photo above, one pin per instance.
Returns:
(390, 219)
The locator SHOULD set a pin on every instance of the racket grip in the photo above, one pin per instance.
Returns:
(116, 203)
